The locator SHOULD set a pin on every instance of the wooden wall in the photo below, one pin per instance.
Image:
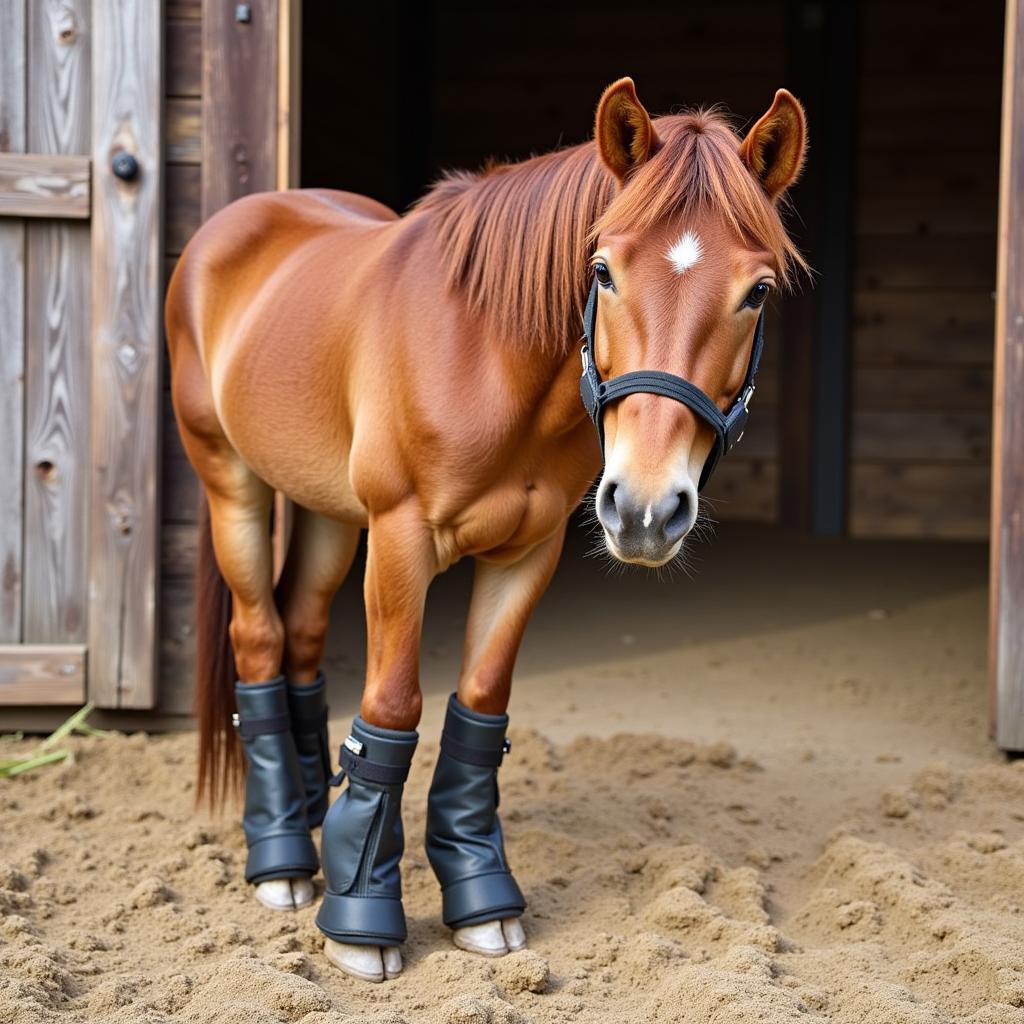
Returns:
(925, 269)
(180, 489)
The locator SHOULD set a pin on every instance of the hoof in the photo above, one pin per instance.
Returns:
(515, 937)
(492, 938)
(285, 893)
(367, 963)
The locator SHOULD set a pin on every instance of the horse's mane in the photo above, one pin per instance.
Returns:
(516, 238)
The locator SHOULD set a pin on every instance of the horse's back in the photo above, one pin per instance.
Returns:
(233, 257)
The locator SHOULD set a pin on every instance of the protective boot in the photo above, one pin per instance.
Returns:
(274, 820)
(308, 707)
(362, 839)
(464, 840)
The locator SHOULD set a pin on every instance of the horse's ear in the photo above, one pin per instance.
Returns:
(623, 131)
(775, 147)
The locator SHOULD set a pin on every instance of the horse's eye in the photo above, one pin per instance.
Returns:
(758, 294)
(603, 275)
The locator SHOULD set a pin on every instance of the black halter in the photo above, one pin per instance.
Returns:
(597, 393)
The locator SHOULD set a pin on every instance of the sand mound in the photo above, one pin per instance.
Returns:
(668, 881)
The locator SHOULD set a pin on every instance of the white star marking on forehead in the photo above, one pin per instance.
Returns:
(685, 253)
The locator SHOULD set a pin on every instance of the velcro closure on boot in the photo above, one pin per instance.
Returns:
(481, 757)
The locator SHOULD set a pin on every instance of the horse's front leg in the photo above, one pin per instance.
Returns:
(362, 841)
(481, 901)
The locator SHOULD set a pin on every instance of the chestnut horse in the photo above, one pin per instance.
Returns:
(418, 377)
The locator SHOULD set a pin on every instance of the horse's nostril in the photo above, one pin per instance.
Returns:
(679, 522)
(607, 509)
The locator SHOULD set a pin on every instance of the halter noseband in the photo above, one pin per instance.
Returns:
(597, 393)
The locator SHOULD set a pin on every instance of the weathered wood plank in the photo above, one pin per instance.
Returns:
(33, 185)
(930, 327)
(917, 261)
(57, 339)
(239, 103)
(1007, 646)
(126, 269)
(177, 645)
(12, 327)
(183, 131)
(904, 499)
(183, 184)
(744, 490)
(42, 674)
(179, 483)
(184, 58)
(923, 388)
(903, 435)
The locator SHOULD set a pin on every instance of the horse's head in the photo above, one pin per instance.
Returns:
(685, 256)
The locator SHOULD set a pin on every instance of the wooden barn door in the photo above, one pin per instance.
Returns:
(80, 191)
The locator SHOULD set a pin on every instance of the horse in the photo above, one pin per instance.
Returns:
(418, 377)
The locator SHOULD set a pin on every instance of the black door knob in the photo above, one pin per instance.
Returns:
(125, 166)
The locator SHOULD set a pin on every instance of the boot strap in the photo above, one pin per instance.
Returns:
(478, 756)
(248, 728)
(357, 767)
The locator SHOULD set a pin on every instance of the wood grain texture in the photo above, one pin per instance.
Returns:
(182, 184)
(911, 499)
(183, 132)
(915, 435)
(44, 186)
(12, 327)
(184, 58)
(928, 327)
(925, 272)
(126, 264)
(239, 103)
(1007, 649)
(57, 339)
(745, 490)
(42, 674)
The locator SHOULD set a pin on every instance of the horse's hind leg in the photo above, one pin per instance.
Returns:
(481, 901)
(319, 556)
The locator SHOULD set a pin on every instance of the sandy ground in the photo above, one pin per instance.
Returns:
(763, 795)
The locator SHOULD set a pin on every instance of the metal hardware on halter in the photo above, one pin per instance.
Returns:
(597, 393)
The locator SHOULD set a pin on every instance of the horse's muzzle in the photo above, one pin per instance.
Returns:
(645, 532)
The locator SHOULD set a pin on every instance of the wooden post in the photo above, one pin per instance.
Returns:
(12, 328)
(55, 594)
(127, 94)
(251, 120)
(1007, 546)
(240, 101)
(835, 230)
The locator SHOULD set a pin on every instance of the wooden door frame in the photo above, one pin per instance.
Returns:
(1006, 640)
(117, 666)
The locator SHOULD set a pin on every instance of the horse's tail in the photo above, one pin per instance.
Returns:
(220, 754)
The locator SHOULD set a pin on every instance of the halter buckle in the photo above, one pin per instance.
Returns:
(584, 358)
(746, 396)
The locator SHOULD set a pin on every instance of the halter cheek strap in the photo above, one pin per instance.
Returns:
(597, 393)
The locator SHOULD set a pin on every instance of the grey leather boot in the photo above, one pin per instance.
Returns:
(307, 704)
(362, 839)
(274, 819)
(464, 840)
